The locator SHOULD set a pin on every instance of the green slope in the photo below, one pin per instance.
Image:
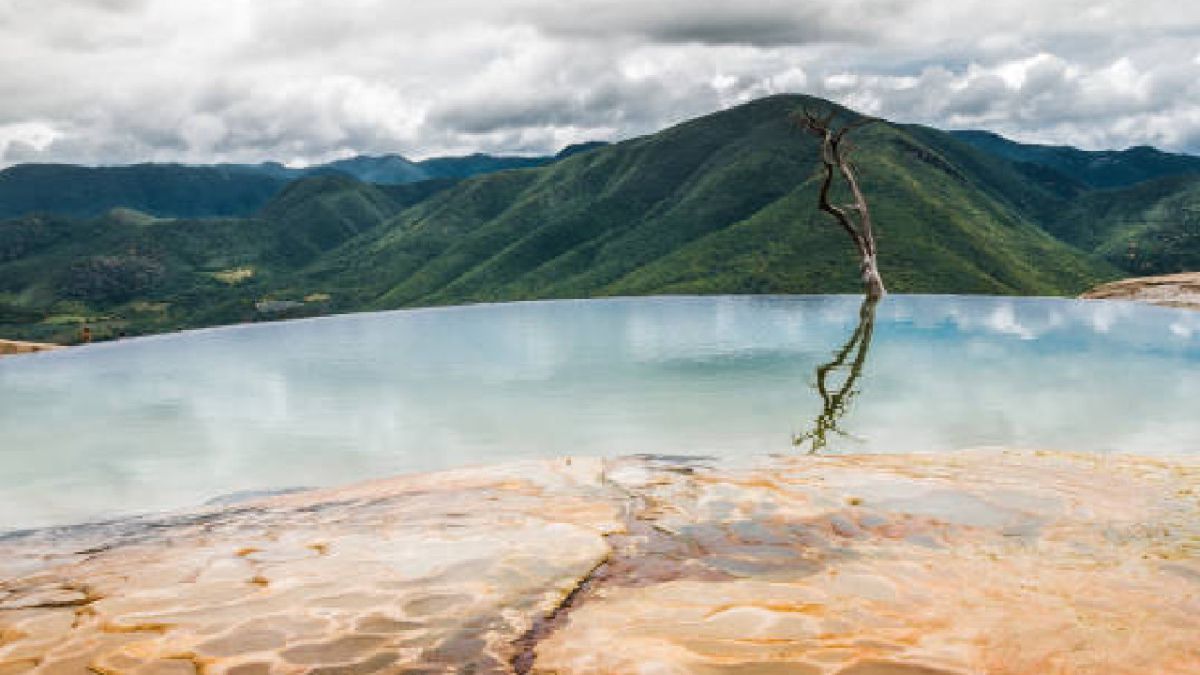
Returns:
(1145, 218)
(721, 204)
(170, 190)
(187, 191)
(1147, 229)
(128, 272)
(1092, 168)
(316, 214)
(724, 203)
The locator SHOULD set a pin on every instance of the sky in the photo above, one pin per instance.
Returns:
(122, 81)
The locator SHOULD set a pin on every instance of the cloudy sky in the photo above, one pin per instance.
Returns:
(117, 81)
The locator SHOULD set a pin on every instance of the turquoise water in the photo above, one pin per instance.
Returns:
(170, 421)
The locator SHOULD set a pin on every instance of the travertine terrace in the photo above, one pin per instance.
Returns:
(982, 561)
(1168, 290)
(11, 347)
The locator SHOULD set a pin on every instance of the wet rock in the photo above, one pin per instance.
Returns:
(390, 586)
(1169, 290)
(915, 565)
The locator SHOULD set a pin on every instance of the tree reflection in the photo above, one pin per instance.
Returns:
(836, 401)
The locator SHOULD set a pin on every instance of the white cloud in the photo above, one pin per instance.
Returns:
(108, 81)
(1042, 98)
(26, 137)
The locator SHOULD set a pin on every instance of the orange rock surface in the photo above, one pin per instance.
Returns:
(974, 562)
(9, 347)
(1169, 290)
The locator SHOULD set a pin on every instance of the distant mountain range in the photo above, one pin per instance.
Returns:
(192, 191)
(397, 170)
(1088, 168)
(725, 203)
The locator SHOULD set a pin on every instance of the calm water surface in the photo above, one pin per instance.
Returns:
(170, 421)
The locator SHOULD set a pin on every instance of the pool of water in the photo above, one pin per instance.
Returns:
(169, 421)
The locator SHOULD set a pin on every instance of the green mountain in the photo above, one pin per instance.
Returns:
(128, 272)
(396, 170)
(172, 190)
(1146, 229)
(478, 163)
(1138, 209)
(314, 215)
(725, 203)
(186, 191)
(1093, 169)
(385, 169)
(472, 165)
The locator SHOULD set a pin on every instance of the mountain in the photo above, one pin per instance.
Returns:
(1138, 209)
(472, 165)
(725, 203)
(577, 148)
(396, 170)
(1146, 229)
(386, 169)
(162, 189)
(129, 272)
(316, 214)
(197, 191)
(1094, 169)
(270, 169)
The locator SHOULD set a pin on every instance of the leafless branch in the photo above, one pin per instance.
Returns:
(854, 218)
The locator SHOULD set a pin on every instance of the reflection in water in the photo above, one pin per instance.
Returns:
(170, 421)
(836, 401)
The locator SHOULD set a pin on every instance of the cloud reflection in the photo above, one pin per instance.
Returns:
(169, 421)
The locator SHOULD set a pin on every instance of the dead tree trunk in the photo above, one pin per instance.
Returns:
(855, 217)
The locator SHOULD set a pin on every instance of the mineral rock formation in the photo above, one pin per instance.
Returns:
(10, 347)
(1169, 290)
(997, 562)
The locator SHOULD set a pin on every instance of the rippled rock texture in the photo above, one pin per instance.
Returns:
(998, 562)
(11, 347)
(1168, 290)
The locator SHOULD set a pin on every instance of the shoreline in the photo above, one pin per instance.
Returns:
(14, 347)
(935, 563)
(485, 305)
(1179, 291)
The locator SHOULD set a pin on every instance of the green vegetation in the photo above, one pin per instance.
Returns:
(724, 203)
(182, 191)
(1146, 229)
(1094, 169)
(141, 274)
(160, 189)
(1138, 209)
(721, 204)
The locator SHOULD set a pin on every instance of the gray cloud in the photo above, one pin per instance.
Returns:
(714, 22)
(112, 81)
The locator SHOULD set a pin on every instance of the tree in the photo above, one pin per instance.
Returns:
(855, 217)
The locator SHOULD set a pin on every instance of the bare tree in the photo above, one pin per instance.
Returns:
(855, 217)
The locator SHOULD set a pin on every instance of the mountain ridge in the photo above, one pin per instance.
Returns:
(200, 190)
(553, 234)
(1098, 169)
(723, 203)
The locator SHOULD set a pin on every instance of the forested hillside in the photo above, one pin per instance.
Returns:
(725, 203)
